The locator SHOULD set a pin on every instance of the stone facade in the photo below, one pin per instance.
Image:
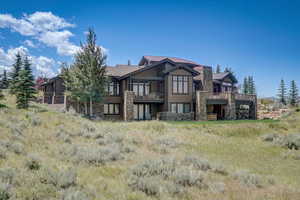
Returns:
(128, 105)
(176, 116)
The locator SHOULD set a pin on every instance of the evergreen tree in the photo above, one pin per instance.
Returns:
(251, 85)
(25, 90)
(4, 81)
(218, 69)
(246, 86)
(1, 94)
(282, 92)
(14, 75)
(85, 79)
(30, 85)
(293, 93)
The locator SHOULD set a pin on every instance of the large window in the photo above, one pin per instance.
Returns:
(141, 88)
(112, 109)
(180, 84)
(113, 88)
(141, 111)
(180, 107)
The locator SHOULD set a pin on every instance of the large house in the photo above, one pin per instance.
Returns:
(165, 88)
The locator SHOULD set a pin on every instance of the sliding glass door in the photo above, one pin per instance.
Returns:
(142, 112)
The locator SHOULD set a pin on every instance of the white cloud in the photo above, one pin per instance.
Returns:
(29, 43)
(44, 66)
(41, 65)
(41, 26)
(60, 40)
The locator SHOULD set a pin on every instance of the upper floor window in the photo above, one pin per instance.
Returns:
(141, 88)
(113, 88)
(180, 84)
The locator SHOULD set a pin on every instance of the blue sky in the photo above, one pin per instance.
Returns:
(259, 38)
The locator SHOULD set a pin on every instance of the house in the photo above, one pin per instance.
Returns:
(164, 88)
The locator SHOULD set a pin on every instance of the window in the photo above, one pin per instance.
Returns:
(141, 111)
(141, 88)
(180, 84)
(180, 107)
(112, 109)
(113, 88)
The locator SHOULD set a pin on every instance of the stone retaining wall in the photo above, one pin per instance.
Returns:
(169, 116)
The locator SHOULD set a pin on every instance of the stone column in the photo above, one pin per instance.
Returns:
(201, 99)
(253, 108)
(230, 110)
(128, 106)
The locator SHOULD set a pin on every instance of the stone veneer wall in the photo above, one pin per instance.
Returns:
(176, 116)
(201, 112)
(230, 108)
(128, 105)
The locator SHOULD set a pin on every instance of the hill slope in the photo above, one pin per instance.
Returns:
(45, 154)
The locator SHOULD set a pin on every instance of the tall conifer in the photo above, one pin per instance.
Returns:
(14, 75)
(282, 92)
(293, 93)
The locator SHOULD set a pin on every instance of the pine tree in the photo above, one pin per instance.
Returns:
(4, 81)
(85, 79)
(282, 92)
(218, 69)
(251, 85)
(293, 93)
(14, 75)
(25, 90)
(246, 86)
(1, 94)
(30, 85)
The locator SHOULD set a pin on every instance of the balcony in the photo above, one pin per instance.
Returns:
(245, 97)
(155, 97)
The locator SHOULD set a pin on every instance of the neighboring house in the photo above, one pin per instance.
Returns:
(164, 88)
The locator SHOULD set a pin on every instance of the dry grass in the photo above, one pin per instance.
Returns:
(42, 157)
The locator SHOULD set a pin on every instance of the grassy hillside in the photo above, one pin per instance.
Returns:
(45, 154)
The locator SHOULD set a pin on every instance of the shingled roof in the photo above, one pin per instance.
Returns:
(160, 58)
(121, 70)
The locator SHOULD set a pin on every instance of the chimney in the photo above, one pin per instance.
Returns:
(207, 78)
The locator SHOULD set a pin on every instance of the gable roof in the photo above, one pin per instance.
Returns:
(166, 60)
(121, 70)
(223, 75)
(160, 58)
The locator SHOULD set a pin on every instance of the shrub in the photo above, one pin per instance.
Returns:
(7, 175)
(219, 169)
(2, 152)
(248, 179)
(162, 167)
(197, 162)
(33, 162)
(187, 177)
(35, 121)
(163, 145)
(73, 194)
(4, 191)
(61, 179)
(148, 185)
(217, 187)
(110, 139)
(63, 136)
(98, 155)
(17, 148)
(291, 141)
(269, 137)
